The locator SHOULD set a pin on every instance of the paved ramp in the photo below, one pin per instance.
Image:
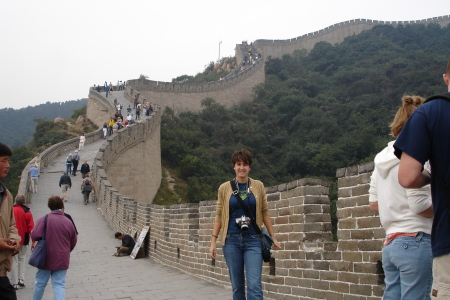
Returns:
(94, 273)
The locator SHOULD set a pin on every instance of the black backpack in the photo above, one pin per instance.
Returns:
(445, 96)
(87, 187)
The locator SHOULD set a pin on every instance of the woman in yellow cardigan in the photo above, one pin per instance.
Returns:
(241, 245)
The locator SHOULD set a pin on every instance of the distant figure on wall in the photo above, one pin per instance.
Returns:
(24, 225)
(87, 185)
(110, 126)
(138, 111)
(75, 160)
(34, 175)
(107, 91)
(69, 164)
(85, 169)
(105, 130)
(407, 216)
(65, 183)
(82, 140)
(127, 244)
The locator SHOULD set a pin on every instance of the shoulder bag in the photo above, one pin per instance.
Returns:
(37, 258)
(264, 237)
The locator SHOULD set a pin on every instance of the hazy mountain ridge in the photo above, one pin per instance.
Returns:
(19, 125)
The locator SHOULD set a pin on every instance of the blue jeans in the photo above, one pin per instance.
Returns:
(58, 283)
(407, 264)
(244, 251)
(68, 168)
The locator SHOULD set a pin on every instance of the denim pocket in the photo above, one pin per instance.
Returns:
(405, 242)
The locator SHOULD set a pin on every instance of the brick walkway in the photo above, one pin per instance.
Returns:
(94, 273)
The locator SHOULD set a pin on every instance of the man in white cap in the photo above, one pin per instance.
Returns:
(75, 160)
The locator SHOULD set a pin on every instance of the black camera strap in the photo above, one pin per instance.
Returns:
(244, 207)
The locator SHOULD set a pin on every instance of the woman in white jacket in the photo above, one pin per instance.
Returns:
(406, 215)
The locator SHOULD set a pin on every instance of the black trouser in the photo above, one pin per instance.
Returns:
(86, 196)
(75, 166)
(7, 292)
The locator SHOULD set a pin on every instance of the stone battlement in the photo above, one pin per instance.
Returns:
(333, 34)
(188, 96)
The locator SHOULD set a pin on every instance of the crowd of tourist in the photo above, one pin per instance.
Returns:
(109, 88)
(251, 58)
(133, 115)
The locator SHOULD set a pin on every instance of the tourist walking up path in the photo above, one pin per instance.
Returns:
(94, 273)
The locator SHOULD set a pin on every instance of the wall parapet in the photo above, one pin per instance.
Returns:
(333, 34)
(99, 108)
(176, 87)
(443, 20)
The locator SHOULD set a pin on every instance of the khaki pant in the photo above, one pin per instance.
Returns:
(122, 250)
(34, 183)
(441, 277)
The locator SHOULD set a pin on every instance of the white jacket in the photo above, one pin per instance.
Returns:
(398, 207)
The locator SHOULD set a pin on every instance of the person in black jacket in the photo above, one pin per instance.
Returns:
(65, 183)
(85, 169)
(127, 244)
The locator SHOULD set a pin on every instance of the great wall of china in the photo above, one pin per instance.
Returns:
(310, 265)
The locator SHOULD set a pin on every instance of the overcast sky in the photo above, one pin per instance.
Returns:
(55, 50)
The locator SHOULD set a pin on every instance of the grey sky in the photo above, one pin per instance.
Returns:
(54, 50)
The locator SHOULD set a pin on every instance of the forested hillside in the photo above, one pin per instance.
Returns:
(316, 111)
(44, 134)
(18, 125)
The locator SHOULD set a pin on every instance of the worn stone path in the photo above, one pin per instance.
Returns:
(94, 273)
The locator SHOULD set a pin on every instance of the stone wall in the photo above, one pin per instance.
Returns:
(332, 34)
(130, 161)
(187, 96)
(99, 110)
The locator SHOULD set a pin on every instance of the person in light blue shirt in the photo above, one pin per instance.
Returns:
(34, 174)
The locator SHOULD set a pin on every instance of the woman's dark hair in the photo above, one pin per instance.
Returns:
(4, 150)
(241, 155)
(55, 202)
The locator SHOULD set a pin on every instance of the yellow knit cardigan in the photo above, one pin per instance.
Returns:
(223, 205)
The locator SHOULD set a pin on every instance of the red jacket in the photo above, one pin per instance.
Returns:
(24, 222)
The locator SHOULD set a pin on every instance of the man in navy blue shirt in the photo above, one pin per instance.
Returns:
(426, 137)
